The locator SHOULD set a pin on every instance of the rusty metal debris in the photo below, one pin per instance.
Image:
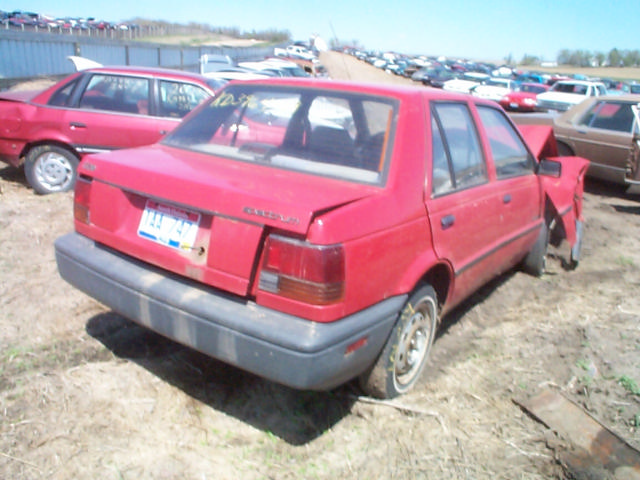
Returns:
(593, 451)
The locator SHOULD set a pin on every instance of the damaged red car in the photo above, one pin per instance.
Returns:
(95, 110)
(314, 232)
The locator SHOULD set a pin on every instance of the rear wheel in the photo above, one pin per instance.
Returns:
(405, 354)
(50, 169)
(565, 150)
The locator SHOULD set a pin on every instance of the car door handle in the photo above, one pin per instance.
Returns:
(506, 198)
(447, 221)
(163, 132)
(75, 125)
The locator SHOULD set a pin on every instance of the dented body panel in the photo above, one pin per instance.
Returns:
(282, 226)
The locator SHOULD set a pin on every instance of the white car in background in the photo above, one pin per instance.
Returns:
(211, 62)
(494, 88)
(277, 66)
(466, 82)
(566, 93)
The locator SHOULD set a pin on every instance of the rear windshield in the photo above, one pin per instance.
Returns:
(323, 132)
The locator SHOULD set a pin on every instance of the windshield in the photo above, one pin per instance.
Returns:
(496, 82)
(577, 88)
(532, 88)
(337, 134)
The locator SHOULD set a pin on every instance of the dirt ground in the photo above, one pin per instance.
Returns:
(86, 394)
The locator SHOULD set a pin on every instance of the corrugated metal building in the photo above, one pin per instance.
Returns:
(25, 55)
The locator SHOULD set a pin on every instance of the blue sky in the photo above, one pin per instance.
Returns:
(482, 30)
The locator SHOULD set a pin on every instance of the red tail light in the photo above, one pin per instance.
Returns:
(82, 195)
(309, 273)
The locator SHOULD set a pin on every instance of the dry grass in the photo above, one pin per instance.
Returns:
(623, 74)
(87, 394)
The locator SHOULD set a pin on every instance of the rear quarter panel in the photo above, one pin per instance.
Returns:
(387, 236)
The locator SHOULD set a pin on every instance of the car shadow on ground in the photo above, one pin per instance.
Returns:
(13, 175)
(615, 193)
(297, 417)
(602, 188)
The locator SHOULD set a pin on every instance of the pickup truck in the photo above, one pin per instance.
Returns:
(314, 232)
(567, 93)
(294, 51)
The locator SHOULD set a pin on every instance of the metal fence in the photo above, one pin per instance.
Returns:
(27, 55)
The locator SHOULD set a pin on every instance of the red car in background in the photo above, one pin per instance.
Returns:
(524, 98)
(91, 111)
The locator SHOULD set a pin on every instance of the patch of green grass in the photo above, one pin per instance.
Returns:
(629, 384)
(583, 364)
(586, 380)
(625, 261)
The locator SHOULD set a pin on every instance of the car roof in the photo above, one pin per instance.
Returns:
(384, 89)
(149, 71)
(579, 82)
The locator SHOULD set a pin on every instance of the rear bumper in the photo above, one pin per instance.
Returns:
(280, 347)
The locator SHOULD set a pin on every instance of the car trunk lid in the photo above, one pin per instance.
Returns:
(19, 96)
(201, 216)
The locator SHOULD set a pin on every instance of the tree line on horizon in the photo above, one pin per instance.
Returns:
(586, 58)
(269, 35)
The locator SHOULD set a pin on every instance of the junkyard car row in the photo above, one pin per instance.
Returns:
(518, 95)
(591, 118)
(257, 231)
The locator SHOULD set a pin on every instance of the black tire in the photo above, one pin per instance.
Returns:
(405, 354)
(535, 263)
(565, 150)
(576, 250)
(51, 169)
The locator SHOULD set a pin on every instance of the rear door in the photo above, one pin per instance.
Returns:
(113, 113)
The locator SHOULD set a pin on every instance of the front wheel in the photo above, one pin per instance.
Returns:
(405, 354)
(51, 169)
(535, 263)
(565, 150)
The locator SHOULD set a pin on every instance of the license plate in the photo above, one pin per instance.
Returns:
(513, 105)
(169, 226)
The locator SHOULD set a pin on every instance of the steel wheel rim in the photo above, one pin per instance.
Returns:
(415, 340)
(54, 171)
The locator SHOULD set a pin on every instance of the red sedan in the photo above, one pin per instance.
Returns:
(524, 98)
(314, 231)
(92, 111)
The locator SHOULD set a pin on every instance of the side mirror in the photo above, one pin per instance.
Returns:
(549, 168)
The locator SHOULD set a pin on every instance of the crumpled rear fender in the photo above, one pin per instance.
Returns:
(563, 185)
(565, 192)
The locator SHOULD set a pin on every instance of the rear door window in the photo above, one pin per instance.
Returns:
(179, 98)
(610, 115)
(116, 93)
(62, 98)
(458, 161)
